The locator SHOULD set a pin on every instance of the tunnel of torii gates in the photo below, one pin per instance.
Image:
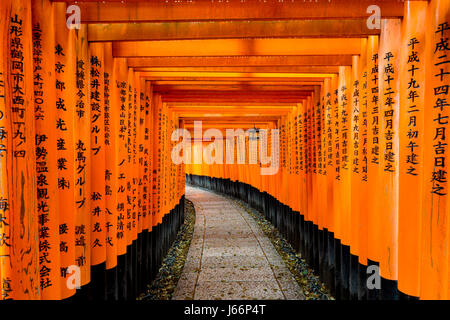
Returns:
(88, 187)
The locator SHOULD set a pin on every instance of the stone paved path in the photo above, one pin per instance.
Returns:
(230, 257)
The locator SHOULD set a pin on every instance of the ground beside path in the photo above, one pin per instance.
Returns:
(230, 257)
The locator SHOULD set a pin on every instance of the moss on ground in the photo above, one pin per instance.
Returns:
(163, 287)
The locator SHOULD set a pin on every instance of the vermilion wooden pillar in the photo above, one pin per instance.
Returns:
(374, 119)
(148, 161)
(46, 149)
(388, 74)
(111, 143)
(136, 137)
(411, 146)
(4, 126)
(435, 220)
(321, 160)
(120, 99)
(82, 161)
(354, 139)
(65, 66)
(331, 153)
(19, 248)
(97, 153)
(131, 221)
(156, 198)
(328, 153)
(345, 111)
(363, 169)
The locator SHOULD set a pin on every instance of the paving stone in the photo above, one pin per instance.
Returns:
(238, 290)
(185, 289)
(234, 261)
(234, 274)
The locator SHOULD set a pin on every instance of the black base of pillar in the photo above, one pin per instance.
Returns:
(345, 272)
(331, 267)
(354, 277)
(112, 287)
(389, 289)
(403, 296)
(362, 282)
(97, 288)
(122, 277)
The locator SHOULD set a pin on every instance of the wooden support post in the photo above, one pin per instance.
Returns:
(111, 143)
(119, 99)
(97, 103)
(374, 155)
(65, 66)
(388, 74)
(83, 169)
(411, 146)
(46, 149)
(363, 169)
(18, 226)
(355, 158)
(435, 220)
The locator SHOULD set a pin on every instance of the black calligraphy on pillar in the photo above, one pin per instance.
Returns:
(324, 136)
(301, 140)
(296, 143)
(337, 146)
(389, 102)
(146, 159)
(97, 137)
(80, 159)
(329, 122)
(130, 160)
(41, 164)
(5, 285)
(306, 139)
(413, 62)
(122, 86)
(344, 129)
(355, 127)
(107, 110)
(375, 124)
(134, 162)
(317, 138)
(363, 127)
(108, 173)
(17, 92)
(440, 105)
